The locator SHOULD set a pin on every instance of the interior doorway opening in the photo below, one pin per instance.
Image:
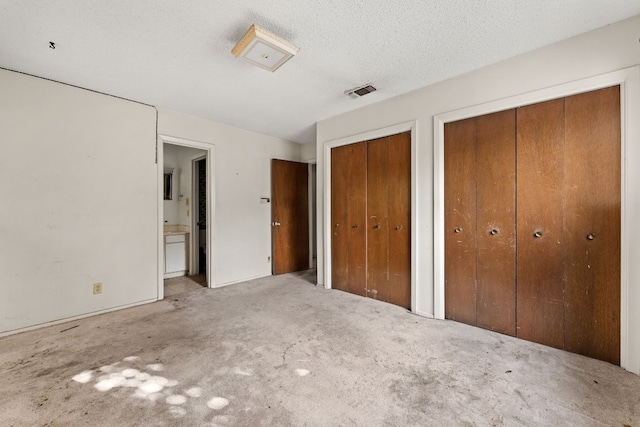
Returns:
(185, 214)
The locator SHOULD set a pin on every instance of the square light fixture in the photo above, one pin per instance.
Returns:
(264, 49)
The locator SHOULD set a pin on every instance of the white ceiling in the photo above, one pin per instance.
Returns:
(177, 54)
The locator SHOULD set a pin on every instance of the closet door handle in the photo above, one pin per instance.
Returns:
(591, 236)
(399, 227)
(376, 226)
(493, 232)
(355, 226)
(457, 230)
(537, 234)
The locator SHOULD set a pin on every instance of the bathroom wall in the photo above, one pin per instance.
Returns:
(176, 210)
(170, 207)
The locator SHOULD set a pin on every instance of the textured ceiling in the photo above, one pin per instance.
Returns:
(176, 54)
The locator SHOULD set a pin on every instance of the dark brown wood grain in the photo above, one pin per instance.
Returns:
(495, 215)
(356, 224)
(567, 222)
(592, 202)
(378, 218)
(540, 260)
(339, 218)
(460, 220)
(399, 198)
(290, 208)
(371, 184)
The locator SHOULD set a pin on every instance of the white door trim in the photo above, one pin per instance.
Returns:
(367, 136)
(629, 81)
(311, 191)
(210, 152)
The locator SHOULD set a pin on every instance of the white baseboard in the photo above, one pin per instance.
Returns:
(424, 314)
(220, 285)
(71, 319)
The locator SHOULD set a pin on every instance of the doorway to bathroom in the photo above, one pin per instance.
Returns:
(185, 212)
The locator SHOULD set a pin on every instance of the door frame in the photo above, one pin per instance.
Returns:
(194, 264)
(313, 229)
(367, 136)
(629, 81)
(210, 152)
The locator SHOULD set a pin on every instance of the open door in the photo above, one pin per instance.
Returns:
(289, 216)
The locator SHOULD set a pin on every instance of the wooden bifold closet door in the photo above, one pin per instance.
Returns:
(371, 219)
(349, 218)
(480, 221)
(532, 223)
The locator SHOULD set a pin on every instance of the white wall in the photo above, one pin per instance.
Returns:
(611, 48)
(242, 175)
(78, 181)
(308, 152)
(80, 187)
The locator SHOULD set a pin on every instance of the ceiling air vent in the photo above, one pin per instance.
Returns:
(359, 91)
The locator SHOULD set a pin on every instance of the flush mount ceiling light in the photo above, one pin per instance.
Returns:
(264, 49)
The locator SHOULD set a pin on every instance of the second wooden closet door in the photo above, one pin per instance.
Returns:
(480, 221)
(371, 219)
(540, 275)
(532, 222)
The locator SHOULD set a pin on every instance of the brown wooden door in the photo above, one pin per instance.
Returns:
(398, 290)
(495, 216)
(540, 271)
(339, 218)
(480, 221)
(377, 217)
(289, 216)
(357, 219)
(592, 224)
(567, 222)
(371, 219)
(460, 220)
(389, 219)
(349, 218)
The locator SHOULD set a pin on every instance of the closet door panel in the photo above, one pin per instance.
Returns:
(496, 209)
(356, 224)
(540, 246)
(460, 220)
(339, 208)
(592, 197)
(399, 292)
(377, 218)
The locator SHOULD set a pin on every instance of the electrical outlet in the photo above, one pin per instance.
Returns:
(97, 288)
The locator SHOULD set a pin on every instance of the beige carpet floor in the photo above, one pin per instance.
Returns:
(180, 285)
(280, 351)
